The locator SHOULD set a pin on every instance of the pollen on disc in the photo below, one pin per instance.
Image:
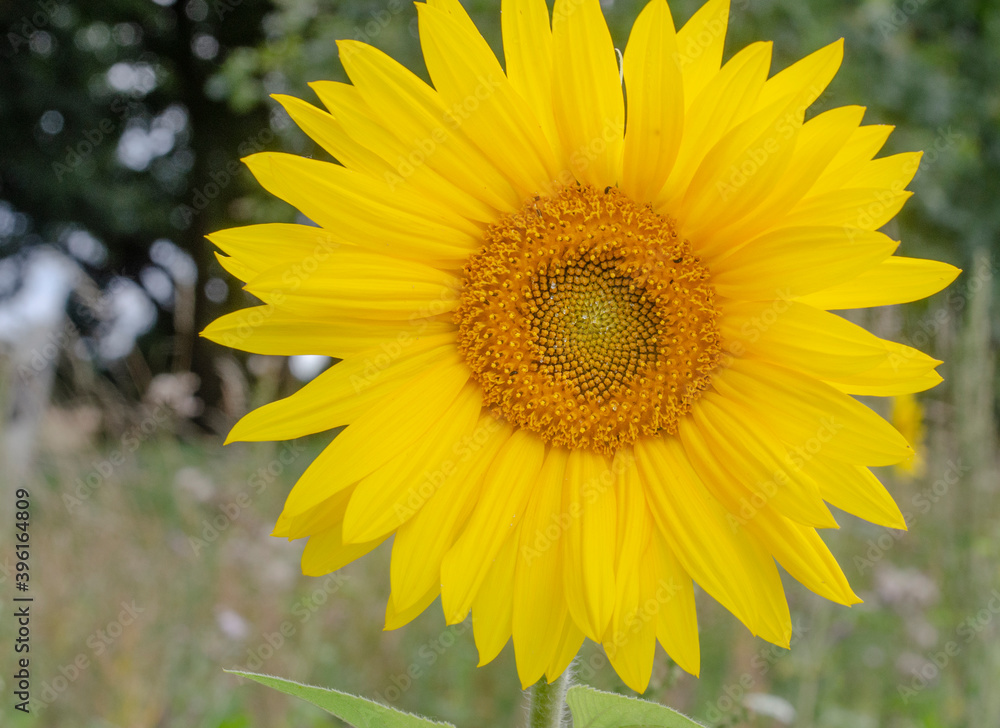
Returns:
(587, 319)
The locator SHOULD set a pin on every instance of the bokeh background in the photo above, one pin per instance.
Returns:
(122, 123)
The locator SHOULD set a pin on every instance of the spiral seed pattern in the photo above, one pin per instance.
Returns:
(587, 319)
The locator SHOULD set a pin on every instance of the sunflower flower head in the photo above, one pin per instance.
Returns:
(587, 356)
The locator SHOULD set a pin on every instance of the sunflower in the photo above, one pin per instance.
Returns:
(586, 356)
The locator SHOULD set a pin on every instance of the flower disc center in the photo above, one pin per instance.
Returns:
(586, 319)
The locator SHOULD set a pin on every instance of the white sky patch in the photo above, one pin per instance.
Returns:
(47, 278)
(133, 78)
(140, 143)
(130, 315)
(175, 261)
(157, 284)
(86, 248)
(306, 367)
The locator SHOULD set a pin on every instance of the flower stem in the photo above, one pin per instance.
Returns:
(548, 702)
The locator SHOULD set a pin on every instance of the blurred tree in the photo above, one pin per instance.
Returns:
(110, 130)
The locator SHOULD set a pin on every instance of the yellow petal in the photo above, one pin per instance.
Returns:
(695, 526)
(356, 209)
(800, 337)
(774, 621)
(745, 468)
(589, 541)
(631, 637)
(344, 391)
(402, 164)
(491, 609)
(789, 262)
(379, 505)
(330, 134)
(317, 519)
(741, 170)
(853, 488)
(527, 51)
(802, 553)
(371, 440)
(864, 208)
(482, 102)
(537, 615)
(806, 79)
(816, 145)
(634, 522)
(863, 144)
(421, 120)
(894, 280)
(893, 173)
(358, 283)
(235, 268)
(655, 90)
(259, 247)
(902, 370)
(587, 92)
(437, 521)
(502, 499)
(800, 409)
(725, 103)
(396, 618)
(570, 641)
(266, 330)
(676, 618)
(326, 552)
(700, 43)
(884, 382)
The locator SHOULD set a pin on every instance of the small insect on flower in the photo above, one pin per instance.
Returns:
(585, 362)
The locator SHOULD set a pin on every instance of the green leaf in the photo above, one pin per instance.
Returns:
(358, 712)
(596, 709)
